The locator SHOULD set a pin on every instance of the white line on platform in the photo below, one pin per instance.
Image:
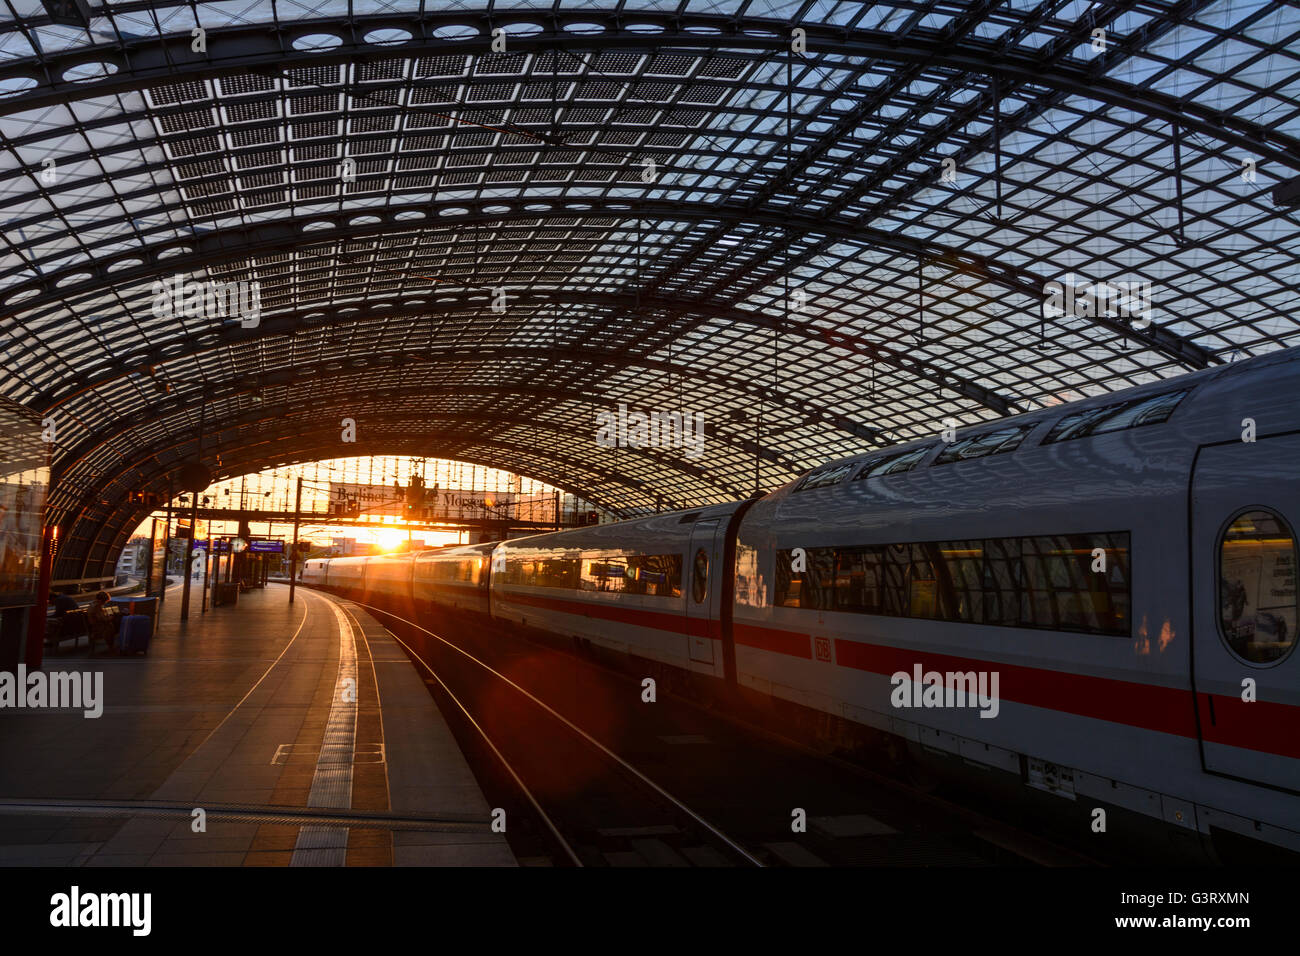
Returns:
(331, 785)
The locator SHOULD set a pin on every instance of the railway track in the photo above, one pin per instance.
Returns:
(711, 767)
(546, 758)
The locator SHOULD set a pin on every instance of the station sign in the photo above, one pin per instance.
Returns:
(448, 503)
(266, 547)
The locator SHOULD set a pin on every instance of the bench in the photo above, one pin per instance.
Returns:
(73, 624)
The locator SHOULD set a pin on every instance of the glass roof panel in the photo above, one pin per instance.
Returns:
(825, 253)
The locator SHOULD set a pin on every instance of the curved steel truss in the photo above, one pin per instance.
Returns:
(821, 226)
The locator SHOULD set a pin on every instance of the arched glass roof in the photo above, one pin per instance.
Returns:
(823, 226)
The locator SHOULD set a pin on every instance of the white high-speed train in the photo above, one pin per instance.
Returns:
(1095, 602)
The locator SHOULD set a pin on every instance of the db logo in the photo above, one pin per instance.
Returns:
(823, 648)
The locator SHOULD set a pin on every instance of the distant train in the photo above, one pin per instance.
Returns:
(1095, 601)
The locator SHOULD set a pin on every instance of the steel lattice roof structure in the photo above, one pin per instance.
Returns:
(735, 207)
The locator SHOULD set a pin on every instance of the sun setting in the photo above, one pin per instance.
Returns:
(395, 539)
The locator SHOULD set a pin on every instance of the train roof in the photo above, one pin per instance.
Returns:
(452, 550)
(1027, 421)
(661, 522)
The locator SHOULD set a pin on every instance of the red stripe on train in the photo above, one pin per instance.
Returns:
(1150, 706)
(1147, 706)
(640, 617)
(773, 639)
(1271, 727)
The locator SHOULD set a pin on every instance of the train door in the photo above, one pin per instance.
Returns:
(703, 572)
(1245, 671)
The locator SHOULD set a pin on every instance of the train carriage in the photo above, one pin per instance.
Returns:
(1098, 599)
(346, 574)
(455, 578)
(1050, 552)
(314, 572)
(653, 587)
(387, 576)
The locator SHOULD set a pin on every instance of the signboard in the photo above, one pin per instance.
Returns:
(457, 503)
(24, 479)
(441, 504)
(348, 497)
(266, 547)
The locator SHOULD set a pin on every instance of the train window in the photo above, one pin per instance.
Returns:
(1075, 582)
(858, 574)
(1001, 581)
(987, 443)
(943, 581)
(820, 591)
(1257, 587)
(922, 583)
(892, 464)
(959, 569)
(812, 586)
(824, 477)
(897, 559)
(1077, 424)
(751, 588)
(558, 573)
(1111, 418)
(635, 579)
(1052, 581)
(452, 570)
(789, 584)
(655, 575)
(700, 576)
(1147, 411)
(519, 571)
(608, 573)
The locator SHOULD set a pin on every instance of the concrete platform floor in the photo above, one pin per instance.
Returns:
(303, 733)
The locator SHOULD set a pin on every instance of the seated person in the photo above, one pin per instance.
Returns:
(63, 603)
(103, 620)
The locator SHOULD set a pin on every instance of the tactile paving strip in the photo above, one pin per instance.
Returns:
(331, 787)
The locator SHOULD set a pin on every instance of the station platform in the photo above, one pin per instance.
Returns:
(258, 734)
